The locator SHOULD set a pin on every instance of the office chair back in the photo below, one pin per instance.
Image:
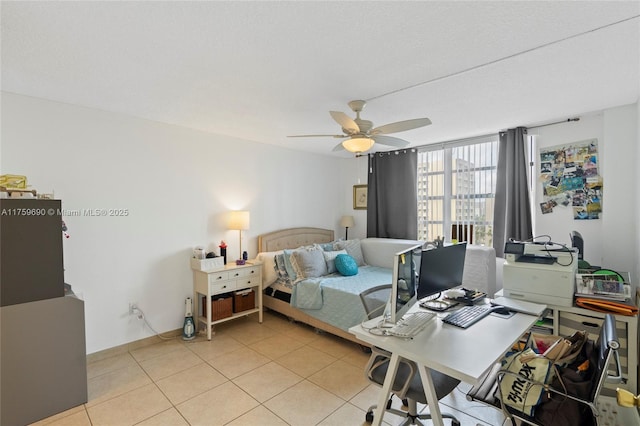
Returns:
(375, 299)
(607, 347)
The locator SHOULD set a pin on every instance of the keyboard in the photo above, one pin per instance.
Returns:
(411, 324)
(467, 316)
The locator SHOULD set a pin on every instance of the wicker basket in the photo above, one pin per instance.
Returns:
(221, 306)
(244, 300)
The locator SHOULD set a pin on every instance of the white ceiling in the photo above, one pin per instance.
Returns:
(264, 70)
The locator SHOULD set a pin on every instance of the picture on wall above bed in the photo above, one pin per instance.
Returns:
(359, 197)
(570, 178)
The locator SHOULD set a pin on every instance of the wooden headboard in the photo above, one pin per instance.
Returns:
(292, 238)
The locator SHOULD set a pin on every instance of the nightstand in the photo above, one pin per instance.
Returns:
(220, 295)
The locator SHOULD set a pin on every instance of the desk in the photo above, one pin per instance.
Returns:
(464, 354)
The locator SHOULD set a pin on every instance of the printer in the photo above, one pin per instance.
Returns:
(540, 272)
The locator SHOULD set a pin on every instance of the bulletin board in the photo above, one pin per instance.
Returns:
(570, 177)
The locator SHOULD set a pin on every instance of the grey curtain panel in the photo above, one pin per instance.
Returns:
(392, 206)
(512, 214)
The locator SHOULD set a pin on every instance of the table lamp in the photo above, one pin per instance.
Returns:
(347, 222)
(239, 220)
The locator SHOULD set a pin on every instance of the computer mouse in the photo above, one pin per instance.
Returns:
(502, 310)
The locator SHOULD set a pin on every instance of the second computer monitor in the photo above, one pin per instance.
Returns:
(441, 269)
(404, 282)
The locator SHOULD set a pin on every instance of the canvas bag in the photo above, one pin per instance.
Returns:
(524, 396)
(518, 393)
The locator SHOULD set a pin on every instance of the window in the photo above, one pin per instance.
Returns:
(456, 190)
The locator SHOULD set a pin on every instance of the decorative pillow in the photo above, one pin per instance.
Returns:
(327, 246)
(346, 265)
(330, 257)
(308, 263)
(353, 249)
(287, 264)
(269, 267)
(281, 270)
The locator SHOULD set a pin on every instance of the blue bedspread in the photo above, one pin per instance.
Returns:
(335, 299)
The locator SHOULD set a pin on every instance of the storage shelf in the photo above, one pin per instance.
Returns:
(203, 319)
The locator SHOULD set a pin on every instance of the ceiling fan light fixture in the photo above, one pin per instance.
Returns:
(359, 144)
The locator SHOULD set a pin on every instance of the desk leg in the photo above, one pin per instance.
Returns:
(383, 397)
(430, 393)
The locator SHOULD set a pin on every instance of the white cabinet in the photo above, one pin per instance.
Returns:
(229, 282)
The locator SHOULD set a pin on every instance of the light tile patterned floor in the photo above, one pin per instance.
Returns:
(275, 373)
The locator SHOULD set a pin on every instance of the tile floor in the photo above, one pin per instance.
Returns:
(274, 373)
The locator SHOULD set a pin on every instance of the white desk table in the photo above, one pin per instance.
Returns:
(465, 354)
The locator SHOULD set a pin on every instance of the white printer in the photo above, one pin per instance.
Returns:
(540, 272)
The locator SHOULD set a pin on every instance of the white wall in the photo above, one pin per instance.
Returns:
(611, 240)
(176, 183)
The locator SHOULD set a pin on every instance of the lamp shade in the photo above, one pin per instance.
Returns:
(347, 222)
(358, 144)
(239, 220)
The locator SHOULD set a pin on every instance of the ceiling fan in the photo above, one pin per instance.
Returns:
(360, 135)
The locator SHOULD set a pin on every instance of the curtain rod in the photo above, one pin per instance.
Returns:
(458, 141)
(568, 120)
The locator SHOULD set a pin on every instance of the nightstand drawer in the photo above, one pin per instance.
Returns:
(246, 272)
(248, 282)
(223, 286)
(216, 277)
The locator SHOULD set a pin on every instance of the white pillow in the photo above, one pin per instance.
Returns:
(330, 259)
(353, 249)
(268, 259)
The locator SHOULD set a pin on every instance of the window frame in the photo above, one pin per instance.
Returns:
(447, 197)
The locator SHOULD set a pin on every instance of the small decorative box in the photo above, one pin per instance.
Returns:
(208, 265)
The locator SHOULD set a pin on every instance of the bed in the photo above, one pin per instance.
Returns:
(340, 306)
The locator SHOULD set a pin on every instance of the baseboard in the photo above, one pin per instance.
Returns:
(136, 344)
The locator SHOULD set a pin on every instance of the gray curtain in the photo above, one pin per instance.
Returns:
(392, 206)
(512, 213)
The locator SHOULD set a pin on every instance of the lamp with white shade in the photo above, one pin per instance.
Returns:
(239, 220)
(347, 222)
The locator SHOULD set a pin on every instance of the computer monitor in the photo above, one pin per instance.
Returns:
(404, 283)
(577, 242)
(441, 269)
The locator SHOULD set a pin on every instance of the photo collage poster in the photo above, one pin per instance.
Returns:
(570, 178)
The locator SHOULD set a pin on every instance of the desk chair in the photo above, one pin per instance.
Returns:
(407, 384)
(604, 352)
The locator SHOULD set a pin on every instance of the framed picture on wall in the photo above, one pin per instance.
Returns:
(359, 197)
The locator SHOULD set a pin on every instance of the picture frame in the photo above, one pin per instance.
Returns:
(360, 196)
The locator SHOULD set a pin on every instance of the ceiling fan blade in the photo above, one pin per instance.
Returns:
(338, 147)
(401, 126)
(317, 136)
(346, 122)
(390, 141)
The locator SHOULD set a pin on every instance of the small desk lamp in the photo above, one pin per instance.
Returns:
(239, 220)
(347, 222)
